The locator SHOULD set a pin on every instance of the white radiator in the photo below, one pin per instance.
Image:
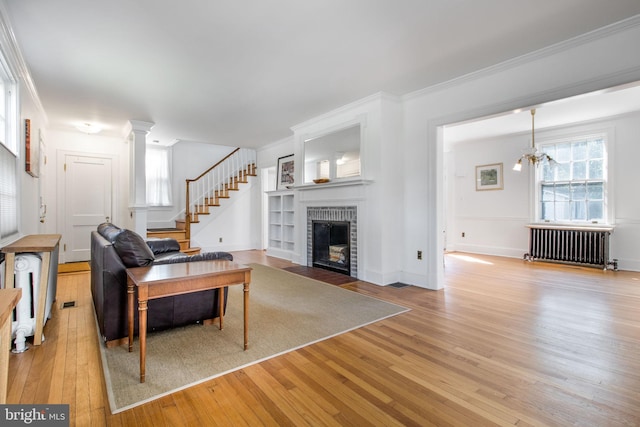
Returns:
(28, 267)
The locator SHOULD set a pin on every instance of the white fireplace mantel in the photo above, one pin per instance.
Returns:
(330, 184)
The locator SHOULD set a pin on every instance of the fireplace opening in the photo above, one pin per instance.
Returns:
(331, 246)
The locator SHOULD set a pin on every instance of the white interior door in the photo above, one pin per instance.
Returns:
(88, 194)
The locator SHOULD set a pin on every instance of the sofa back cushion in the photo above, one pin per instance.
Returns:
(109, 231)
(162, 246)
(132, 249)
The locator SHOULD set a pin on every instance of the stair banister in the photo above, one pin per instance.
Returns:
(216, 181)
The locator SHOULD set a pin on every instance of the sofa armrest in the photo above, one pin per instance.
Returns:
(193, 258)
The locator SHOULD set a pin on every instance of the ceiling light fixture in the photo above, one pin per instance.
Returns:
(532, 155)
(88, 128)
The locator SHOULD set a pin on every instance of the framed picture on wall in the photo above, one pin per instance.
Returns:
(489, 177)
(31, 152)
(285, 172)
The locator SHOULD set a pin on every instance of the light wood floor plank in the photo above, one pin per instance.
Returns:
(506, 342)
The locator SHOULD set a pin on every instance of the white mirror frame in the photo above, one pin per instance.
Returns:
(358, 121)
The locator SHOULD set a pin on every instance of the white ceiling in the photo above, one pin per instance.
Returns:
(242, 72)
(577, 109)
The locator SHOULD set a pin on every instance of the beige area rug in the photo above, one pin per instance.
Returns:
(287, 311)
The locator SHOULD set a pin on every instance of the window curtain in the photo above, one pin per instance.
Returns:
(158, 175)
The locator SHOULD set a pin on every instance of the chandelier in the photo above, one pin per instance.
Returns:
(532, 155)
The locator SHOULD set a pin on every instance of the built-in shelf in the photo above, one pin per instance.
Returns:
(281, 224)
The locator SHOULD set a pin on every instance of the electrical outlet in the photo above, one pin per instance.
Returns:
(419, 254)
(463, 234)
(220, 240)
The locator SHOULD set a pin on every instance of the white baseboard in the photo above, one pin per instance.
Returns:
(489, 250)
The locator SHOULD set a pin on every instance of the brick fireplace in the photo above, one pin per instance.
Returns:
(332, 238)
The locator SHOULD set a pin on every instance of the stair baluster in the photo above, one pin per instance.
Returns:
(209, 187)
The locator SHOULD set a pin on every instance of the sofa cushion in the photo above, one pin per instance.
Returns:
(179, 257)
(109, 231)
(161, 246)
(133, 250)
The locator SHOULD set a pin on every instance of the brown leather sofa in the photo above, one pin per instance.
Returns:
(113, 250)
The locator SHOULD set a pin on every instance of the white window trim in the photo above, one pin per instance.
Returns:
(10, 140)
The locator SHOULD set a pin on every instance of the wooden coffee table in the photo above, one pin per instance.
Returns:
(159, 281)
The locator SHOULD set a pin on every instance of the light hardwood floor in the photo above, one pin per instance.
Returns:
(505, 343)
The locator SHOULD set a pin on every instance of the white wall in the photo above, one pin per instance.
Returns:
(494, 221)
(236, 221)
(188, 160)
(74, 142)
(404, 156)
(377, 194)
(31, 188)
(554, 73)
(268, 155)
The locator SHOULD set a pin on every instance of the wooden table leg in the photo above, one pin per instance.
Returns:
(130, 302)
(142, 334)
(5, 349)
(221, 306)
(9, 270)
(246, 315)
(42, 298)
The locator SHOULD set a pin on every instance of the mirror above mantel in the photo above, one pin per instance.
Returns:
(334, 155)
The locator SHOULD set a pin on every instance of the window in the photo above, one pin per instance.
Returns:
(573, 188)
(8, 109)
(8, 194)
(158, 176)
(8, 154)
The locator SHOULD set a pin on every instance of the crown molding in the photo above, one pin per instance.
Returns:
(274, 144)
(599, 33)
(376, 97)
(11, 50)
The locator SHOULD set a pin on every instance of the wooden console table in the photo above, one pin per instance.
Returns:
(158, 281)
(48, 245)
(8, 300)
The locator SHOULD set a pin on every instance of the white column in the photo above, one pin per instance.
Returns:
(137, 177)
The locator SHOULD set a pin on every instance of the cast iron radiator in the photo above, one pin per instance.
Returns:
(570, 245)
(27, 269)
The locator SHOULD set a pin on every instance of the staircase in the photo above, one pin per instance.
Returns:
(179, 233)
(204, 193)
(216, 183)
